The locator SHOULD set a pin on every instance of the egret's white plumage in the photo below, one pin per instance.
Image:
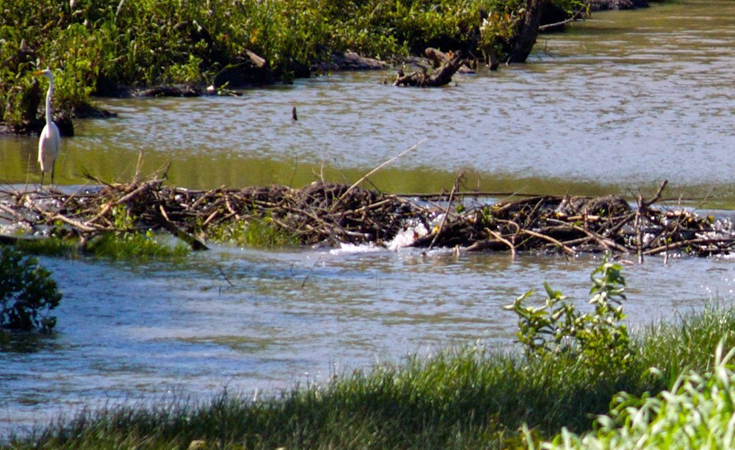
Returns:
(50, 140)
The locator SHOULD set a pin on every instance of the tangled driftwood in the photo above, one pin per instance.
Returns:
(447, 67)
(335, 213)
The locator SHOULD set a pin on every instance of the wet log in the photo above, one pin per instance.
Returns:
(181, 90)
(437, 58)
(442, 76)
(251, 71)
(348, 61)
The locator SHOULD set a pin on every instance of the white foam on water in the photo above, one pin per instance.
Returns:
(345, 248)
(407, 236)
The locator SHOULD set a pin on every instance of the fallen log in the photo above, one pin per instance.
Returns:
(437, 57)
(440, 77)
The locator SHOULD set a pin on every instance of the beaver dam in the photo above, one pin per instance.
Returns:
(330, 214)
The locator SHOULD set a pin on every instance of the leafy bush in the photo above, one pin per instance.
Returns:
(598, 339)
(27, 292)
(696, 413)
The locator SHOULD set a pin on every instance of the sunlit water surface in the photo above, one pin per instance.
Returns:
(620, 103)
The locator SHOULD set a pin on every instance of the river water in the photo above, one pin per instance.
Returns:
(616, 105)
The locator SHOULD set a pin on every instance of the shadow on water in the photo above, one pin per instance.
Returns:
(27, 342)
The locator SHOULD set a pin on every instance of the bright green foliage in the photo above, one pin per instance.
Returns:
(27, 293)
(93, 45)
(130, 243)
(256, 232)
(698, 412)
(133, 245)
(122, 219)
(598, 339)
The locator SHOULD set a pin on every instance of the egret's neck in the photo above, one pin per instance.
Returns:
(48, 100)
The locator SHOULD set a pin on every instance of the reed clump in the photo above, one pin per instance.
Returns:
(697, 412)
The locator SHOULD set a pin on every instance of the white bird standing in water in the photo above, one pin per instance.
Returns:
(50, 140)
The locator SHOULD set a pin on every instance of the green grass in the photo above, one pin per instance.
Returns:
(140, 246)
(51, 246)
(132, 246)
(256, 233)
(468, 397)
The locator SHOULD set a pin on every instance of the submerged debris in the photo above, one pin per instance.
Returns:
(330, 214)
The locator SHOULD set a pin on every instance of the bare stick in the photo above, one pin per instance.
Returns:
(504, 241)
(410, 149)
(446, 212)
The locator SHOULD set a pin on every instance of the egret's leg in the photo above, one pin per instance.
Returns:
(42, 174)
(53, 164)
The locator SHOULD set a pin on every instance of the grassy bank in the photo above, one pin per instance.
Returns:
(95, 47)
(463, 398)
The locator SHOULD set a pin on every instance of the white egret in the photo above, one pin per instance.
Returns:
(50, 140)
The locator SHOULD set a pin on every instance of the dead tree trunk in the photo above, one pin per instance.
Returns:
(527, 31)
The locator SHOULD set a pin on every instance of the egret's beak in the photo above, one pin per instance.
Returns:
(38, 73)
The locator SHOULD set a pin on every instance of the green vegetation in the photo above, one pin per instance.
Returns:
(139, 246)
(51, 246)
(258, 233)
(134, 245)
(126, 243)
(598, 339)
(27, 293)
(97, 46)
(696, 413)
(469, 397)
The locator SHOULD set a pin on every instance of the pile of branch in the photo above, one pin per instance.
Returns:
(335, 213)
(319, 212)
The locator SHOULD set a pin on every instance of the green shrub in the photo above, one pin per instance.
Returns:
(597, 339)
(94, 45)
(27, 292)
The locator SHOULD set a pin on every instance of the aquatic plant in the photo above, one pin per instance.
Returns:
(48, 246)
(27, 292)
(258, 232)
(133, 245)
